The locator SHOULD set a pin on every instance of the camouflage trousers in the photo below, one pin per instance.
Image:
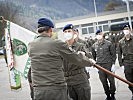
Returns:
(41, 93)
(80, 91)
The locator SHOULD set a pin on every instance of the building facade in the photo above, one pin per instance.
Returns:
(88, 25)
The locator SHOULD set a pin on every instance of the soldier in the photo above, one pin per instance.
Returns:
(46, 63)
(87, 48)
(105, 55)
(77, 37)
(30, 84)
(76, 76)
(125, 54)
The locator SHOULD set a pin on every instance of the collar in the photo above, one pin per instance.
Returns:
(74, 44)
(42, 35)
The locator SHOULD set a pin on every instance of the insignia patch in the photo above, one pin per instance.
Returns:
(19, 48)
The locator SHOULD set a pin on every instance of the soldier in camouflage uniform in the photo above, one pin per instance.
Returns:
(76, 76)
(105, 55)
(125, 54)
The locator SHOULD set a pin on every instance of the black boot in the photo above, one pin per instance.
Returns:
(113, 97)
(108, 97)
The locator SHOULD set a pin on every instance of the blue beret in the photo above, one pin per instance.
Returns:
(98, 31)
(126, 25)
(68, 26)
(45, 22)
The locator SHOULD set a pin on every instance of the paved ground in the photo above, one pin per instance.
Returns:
(122, 92)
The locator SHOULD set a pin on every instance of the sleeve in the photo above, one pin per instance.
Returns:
(87, 52)
(72, 57)
(120, 54)
(93, 52)
(113, 52)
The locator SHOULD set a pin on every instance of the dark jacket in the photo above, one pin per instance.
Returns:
(47, 59)
(125, 51)
(104, 52)
(75, 74)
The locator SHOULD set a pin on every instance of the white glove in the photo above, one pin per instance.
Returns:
(92, 60)
(123, 68)
(113, 68)
(81, 52)
(96, 69)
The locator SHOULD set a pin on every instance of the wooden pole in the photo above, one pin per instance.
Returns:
(112, 74)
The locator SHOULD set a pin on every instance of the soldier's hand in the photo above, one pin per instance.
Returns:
(123, 68)
(113, 68)
(31, 84)
(81, 52)
(92, 60)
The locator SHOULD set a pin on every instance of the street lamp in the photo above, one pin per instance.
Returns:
(128, 10)
(96, 14)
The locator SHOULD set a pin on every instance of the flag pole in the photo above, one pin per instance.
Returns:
(112, 74)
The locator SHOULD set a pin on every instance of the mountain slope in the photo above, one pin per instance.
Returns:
(31, 10)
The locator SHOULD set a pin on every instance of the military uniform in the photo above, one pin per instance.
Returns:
(30, 83)
(85, 49)
(77, 78)
(125, 57)
(105, 55)
(46, 67)
(81, 41)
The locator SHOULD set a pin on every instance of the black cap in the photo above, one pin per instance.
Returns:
(98, 31)
(126, 26)
(68, 26)
(45, 22)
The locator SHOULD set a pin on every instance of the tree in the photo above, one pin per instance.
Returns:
(111, 6)
(9, 11)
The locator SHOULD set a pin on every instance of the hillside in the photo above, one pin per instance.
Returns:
(31, 10)
(60, 9)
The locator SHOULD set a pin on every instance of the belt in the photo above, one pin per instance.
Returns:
(74, 72)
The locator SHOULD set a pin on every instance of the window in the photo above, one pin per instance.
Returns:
(76, 26)
(105, 28)
(118, 27)
(117, 20)
(104, 22)
(91, 29)
(89, 24)
(84, 31)
(100, 27)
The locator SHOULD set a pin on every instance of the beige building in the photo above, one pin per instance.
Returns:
(87, 24)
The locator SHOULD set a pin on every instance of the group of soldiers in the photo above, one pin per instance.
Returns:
(58, 68)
